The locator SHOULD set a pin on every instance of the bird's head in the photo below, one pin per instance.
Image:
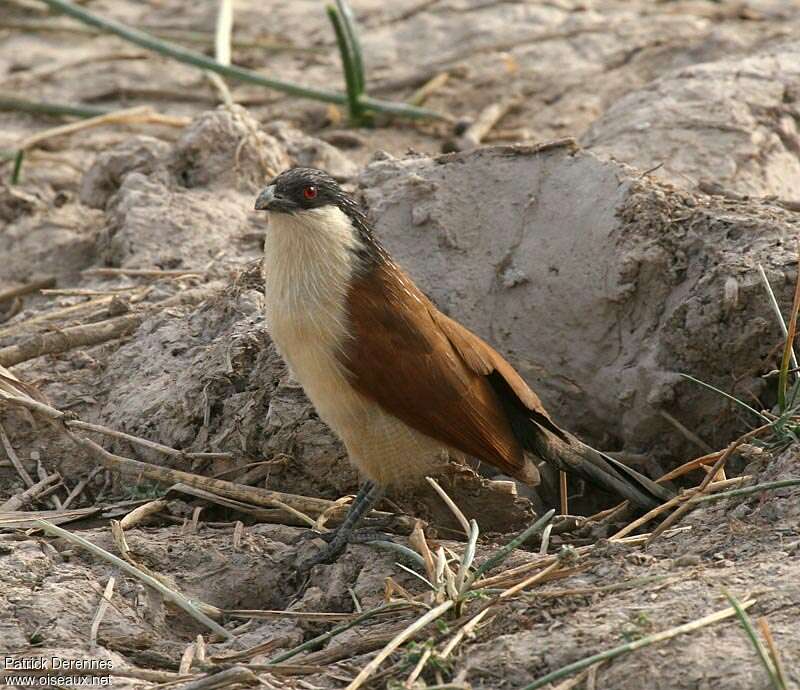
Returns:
(299, 190)
(307, 207)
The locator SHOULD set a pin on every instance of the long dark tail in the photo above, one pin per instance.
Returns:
(576, 458)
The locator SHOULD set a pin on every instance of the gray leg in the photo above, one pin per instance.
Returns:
(367, 497)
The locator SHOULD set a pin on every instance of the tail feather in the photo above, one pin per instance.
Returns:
(576, 458)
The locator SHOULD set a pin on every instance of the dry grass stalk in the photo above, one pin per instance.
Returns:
(563, 493)
(157, 273)
(774, 654)
(187, 658)
(80, 487)
(259, 614)
(15, 461)
(398, 640)
(21, 519)
(169, 594)
(469, 627)
(95, 333)
(26, 289)
(246, 494)
(105, 600)
(429, 88)
(249, 653)
(483, 124)
(462, 520)
(718, 466)
(23, 327)
(237, 675)
(129, 116)
(636, 644)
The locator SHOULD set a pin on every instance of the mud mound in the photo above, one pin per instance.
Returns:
(601, 286)
(731, 122)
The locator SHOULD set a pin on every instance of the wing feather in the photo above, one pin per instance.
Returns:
(431, 372)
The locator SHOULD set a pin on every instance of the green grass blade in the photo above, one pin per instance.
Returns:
(744, 619)
(727, 395)
(502, 554)
(355, 110)
(18, 158)
(351, 31)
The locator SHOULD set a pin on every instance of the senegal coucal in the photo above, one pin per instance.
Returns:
(401, 384)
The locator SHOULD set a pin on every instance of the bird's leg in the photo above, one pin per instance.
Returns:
(369, 494)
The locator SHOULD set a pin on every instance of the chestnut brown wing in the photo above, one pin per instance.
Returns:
(430, 372)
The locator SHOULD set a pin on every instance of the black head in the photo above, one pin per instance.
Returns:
(300, 189)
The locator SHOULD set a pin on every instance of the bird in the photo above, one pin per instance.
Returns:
(403, 385)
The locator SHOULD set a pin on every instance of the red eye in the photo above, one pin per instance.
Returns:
(310, 192)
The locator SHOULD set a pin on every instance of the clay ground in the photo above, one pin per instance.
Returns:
(606, 239)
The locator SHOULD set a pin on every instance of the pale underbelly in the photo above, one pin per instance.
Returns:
(381, 446)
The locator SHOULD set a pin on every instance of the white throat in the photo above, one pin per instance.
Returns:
(309, 260)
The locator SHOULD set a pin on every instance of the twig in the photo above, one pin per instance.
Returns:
(136, 468)
(320, 640)
(716, 467)
(636, 644)
(139, 441)
(142, 512)
(12, 456)
(105, 599)
(69, 338)
(191, 57)
(171, 595)
(30, 494)
(94, 333)
(398, 640)
(562, 489)
(483, 124)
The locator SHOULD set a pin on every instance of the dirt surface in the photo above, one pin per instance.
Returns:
(606, 240)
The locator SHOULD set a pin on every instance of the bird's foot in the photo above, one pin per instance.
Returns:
(336, 542)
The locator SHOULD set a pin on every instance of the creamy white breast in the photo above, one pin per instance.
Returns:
(309, 260)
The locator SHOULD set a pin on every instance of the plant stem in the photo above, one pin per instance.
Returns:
(356, 55)
(569, 669)
(17, 166)
(766, 486)
(191, 57)
(24, 106)
(750, 631)
(354, 108)
(319, 640)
